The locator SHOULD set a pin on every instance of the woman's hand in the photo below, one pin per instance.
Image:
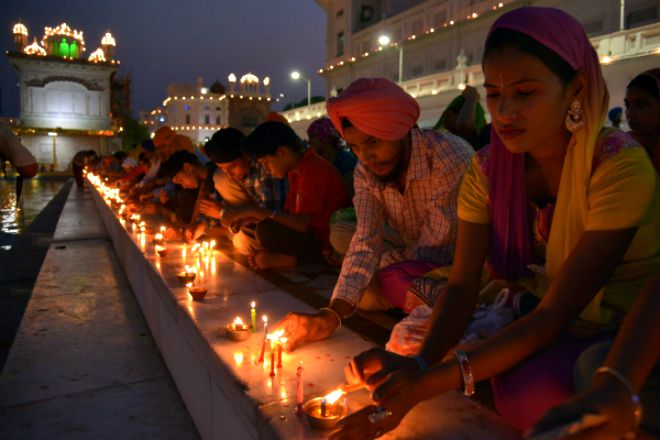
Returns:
(374, 366)
(301, 327)
(402, 396)
(604, 398)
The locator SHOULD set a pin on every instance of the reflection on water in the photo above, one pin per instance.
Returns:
(14, 219)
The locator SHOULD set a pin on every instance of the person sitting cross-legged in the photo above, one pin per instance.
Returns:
(316, 190)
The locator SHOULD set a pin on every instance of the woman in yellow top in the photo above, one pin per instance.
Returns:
(548, 100)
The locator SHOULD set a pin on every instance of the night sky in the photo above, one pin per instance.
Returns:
(175, 41)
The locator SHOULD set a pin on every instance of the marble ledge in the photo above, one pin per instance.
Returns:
(227, 392)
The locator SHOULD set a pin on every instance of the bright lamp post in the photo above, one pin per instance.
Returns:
(295, 75)
(385, 40)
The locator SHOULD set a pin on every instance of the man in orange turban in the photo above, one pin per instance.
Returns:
(406, 178)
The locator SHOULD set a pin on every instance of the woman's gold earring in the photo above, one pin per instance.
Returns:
(574, 118)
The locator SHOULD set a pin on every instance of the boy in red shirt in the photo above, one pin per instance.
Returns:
(316, 190)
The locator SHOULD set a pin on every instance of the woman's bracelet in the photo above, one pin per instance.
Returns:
(634, 397)
(336, 316)
(466, 371)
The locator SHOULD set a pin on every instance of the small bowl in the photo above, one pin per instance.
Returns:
(197, 292)
(186, 278)
(312, 410)
(238, 335)
(163, 252)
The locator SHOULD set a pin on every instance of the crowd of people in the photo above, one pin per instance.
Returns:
(544, 221)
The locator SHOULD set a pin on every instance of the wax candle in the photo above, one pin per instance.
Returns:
(263, 345)
(299, 389)
(253, 316)
(279, 353)
(324, 407)
(272, 362)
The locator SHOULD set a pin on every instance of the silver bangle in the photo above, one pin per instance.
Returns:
(634, 397)
(336, 316)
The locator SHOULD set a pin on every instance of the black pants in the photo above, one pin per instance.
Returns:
(279, 239)
(78, 175)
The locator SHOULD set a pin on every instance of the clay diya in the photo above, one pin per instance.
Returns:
(198, 293)
(162, 251)
(187, 276)
(237, 330)
(325, 412)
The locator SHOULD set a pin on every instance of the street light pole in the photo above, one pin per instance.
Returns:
(385, 40)
(296, 76)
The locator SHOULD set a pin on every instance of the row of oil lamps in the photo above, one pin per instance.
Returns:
(321, 412)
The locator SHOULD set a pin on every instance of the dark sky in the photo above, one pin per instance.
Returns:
(175, 41)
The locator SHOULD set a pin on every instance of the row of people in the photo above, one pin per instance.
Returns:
(557, 216)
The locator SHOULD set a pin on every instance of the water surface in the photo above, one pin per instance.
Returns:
(15, 219)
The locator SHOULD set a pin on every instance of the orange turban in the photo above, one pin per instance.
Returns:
(163, 136)
(375, 106)
(274, 116)
(181, 142)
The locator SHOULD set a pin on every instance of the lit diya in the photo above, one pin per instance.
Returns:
(237, 330)
(187, 276)
(158, 239)
(162, 251)
(324, 412)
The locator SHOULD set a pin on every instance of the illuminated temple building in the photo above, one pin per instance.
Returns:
(65, 93)
(198, 111)
(433, 48)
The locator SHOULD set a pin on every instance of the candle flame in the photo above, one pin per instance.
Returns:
(333, 396)
(158, 236)
(238, 321)
(276, 335)
(238, 358)
(252, 304)
(212, 244)
(265, 318)
(162, 229)
(189, 285)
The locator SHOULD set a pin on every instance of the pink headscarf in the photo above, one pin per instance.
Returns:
(511, 247)
(375, 106)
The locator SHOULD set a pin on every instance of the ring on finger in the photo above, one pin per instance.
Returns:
(379, 415)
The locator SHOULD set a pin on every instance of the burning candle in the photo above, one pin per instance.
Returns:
(163, 229)
(158, 238)
(253, 316)
(280, 344)
(299, 389)
(272, 362)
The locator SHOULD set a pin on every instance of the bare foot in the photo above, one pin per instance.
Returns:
(267, 260)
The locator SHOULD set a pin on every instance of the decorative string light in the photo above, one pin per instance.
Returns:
(98, 56)
(35, 49)
(410, 37)
(108, 40)
(19, 29)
